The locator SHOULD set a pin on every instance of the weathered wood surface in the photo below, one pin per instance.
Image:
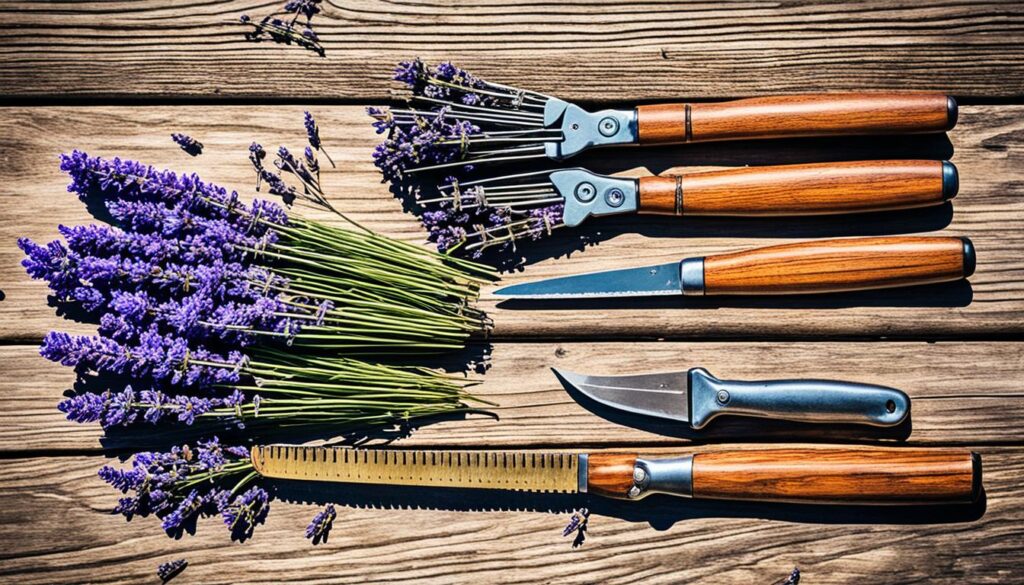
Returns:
(962, 394)
(54, 522)
(990, 209)
(597, 51)
(55, 528)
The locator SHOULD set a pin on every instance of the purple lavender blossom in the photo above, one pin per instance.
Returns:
(313, 135)
(320, 528)
(167, 571)
(183, 484)
(273, 28)
(158, 357)
(245, 512)
(437, 140)
(188, 144)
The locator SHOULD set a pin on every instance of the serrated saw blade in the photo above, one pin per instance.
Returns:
(501, 470)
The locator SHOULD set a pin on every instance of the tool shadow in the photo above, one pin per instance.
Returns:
(950, 294)
(659, 511)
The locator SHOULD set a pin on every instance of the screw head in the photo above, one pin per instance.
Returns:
(615, 197)
(633, 492)
(608, 126)
(639, 475)
(722, 396)
(585, 192)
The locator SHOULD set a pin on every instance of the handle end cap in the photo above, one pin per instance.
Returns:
(952, 112)
(950, 180)
(970, 258)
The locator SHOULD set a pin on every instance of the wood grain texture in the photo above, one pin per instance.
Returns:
(831, 476)
(961, 394)
(990, 208)
(820, 115)
(821, 266)
(610, 474)
(795, 190)
(795, 116)
(604, 50)
(56, 528)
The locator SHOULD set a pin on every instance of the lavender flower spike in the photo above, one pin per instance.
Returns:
(320, 527)
(313, 134)
(188, 144)
(167, 571)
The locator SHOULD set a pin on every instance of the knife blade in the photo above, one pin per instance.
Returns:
(825, 476)
(820, 266)
(696, 397)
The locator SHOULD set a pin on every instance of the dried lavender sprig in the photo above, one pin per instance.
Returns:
(320, 528)
(792, 579)
(188, 144)
(313, 135)
(279, 31)
(169, 570)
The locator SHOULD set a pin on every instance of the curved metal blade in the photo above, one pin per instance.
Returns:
(658, 280)
(661, 395)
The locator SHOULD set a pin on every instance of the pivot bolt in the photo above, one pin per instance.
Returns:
(615, 197)
(639, 475)
(722, 396)
(585, 192)
(608, 126)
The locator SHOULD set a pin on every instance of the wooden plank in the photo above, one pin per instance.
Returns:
(962, 394)
(597, 51)
(989, 209)
(426, 536)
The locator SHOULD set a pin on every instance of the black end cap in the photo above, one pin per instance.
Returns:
(970, 259)
(950, 180)
(952, 112)
(976, 476)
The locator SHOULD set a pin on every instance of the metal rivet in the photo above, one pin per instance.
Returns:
(639, 475)
(633, 492)
(723, 396)
(608, 126)
(615, 197)
(585, 192)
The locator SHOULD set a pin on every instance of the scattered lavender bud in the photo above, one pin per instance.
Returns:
(578, 525)
(188, 144)
(319, 529)
(313, 134)
(277, 30)
(792, 579)
(170, 570)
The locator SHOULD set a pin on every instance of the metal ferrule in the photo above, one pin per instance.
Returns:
(582, 467)
(662, 476)
(691, 276)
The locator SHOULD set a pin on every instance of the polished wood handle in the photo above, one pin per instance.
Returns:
(839, 265)
(808, 189)
(796, 116)
(839, 476)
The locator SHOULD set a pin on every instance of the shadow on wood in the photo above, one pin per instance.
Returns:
(660, 512)
(948, 294)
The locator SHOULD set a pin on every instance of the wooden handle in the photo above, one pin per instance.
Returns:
(808, 189)
(795, 116)
(839, 265)
(839, 476)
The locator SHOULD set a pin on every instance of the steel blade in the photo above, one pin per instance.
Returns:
(658, 280)
(504, 470)
(661, 395)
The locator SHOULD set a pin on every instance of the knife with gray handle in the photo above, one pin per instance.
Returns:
(696, 397)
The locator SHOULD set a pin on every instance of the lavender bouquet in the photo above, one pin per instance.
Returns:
(437, 137)
(220, 310)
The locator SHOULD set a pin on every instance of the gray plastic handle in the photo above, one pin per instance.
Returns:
(815, 401)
